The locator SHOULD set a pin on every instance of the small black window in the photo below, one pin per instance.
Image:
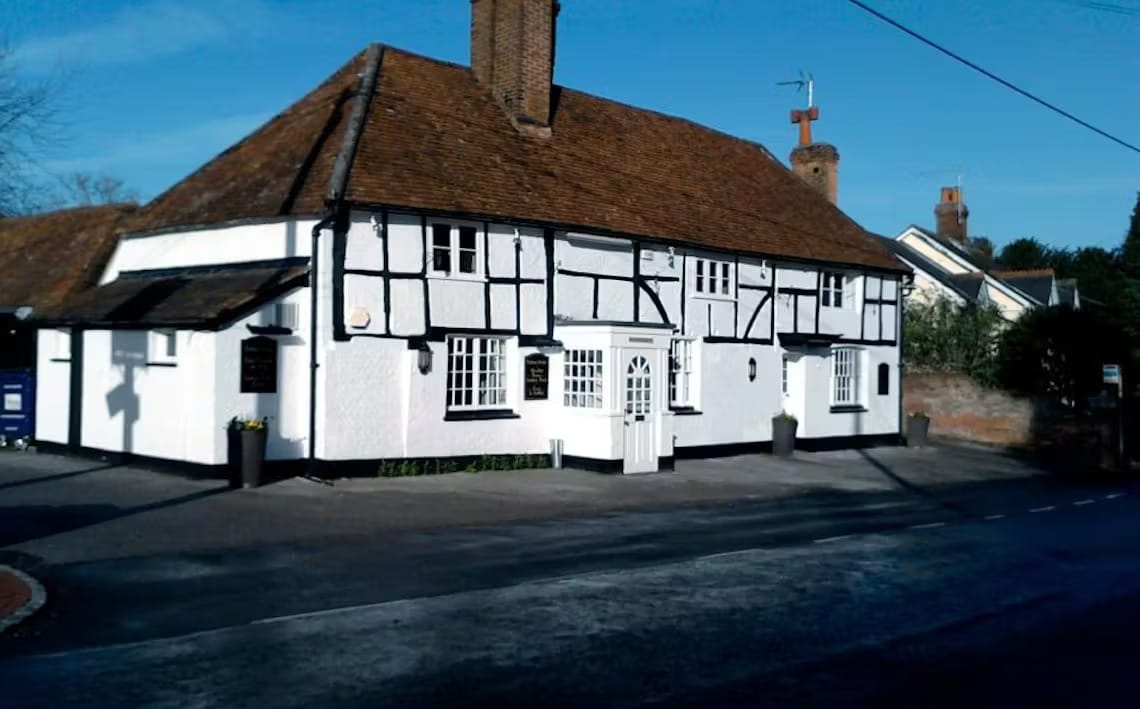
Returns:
(467, 249)
(884, 379)
(700, 276)
(441, 247)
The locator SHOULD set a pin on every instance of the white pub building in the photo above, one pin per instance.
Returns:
(422, 260)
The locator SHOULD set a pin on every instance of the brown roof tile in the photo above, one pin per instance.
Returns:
(435, 139)
(47, 258)
(198, 297)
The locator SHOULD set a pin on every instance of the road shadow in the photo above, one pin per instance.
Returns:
(52, 478)
(24, 523)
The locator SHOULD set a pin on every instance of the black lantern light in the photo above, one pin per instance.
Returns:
(751, 369)
(423, 358)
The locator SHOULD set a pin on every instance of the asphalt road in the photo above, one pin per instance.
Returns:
(986, 595)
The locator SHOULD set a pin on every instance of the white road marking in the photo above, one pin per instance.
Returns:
(993, 517)
(828, 540)
(1046, 508)
(928, 525)
(1113, 496)
(1079, 503)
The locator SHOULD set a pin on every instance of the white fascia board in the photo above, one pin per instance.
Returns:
(956, 296)
(949, 253)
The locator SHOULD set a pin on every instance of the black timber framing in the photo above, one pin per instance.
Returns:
(75, 405)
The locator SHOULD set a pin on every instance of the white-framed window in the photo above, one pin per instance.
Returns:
(163, 346)
(582, 371)
(713, 277)
(476, 373)
(845, 376)
(681, 386)
(456, 249)
(831, 290)
(784, 375)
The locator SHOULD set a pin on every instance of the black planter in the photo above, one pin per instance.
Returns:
(252, 457)
(783, 435)
(233, 457)
(917, 430)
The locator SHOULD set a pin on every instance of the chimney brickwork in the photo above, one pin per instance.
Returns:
(512, 54)
(818, 165)
(950, 215)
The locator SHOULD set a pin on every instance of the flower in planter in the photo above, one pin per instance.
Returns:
(237, 423)
(785, 416)
(919, 415)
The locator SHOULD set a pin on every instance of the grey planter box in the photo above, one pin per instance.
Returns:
(917, 431)
(784, 436)
(252, 457)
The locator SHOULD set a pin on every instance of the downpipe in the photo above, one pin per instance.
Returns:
(314, 303)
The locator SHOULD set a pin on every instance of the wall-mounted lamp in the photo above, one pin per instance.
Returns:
(518, 239)
(377, 227)
(764, 269)
(751, 369)
(423, 358)
(672, 257)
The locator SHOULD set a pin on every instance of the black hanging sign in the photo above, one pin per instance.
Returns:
(259, 365)
(536, 376)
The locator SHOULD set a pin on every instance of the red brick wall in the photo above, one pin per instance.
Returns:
(960, 408)
(512, 52)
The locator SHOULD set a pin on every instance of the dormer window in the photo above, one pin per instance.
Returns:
(455, 249)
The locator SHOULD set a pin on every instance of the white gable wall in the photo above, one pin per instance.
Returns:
(227, 244)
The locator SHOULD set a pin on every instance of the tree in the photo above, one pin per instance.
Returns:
(943, 336)
(27, 125)
(80, 189)
(1022, 254)
(1130, 249)
(982, 246)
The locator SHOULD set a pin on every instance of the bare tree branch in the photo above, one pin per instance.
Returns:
(28, 127)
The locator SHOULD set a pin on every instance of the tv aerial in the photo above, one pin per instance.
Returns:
(806, 81)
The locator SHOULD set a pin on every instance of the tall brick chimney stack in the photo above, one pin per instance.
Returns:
(512, 54)
(816, 163)
(950, 215)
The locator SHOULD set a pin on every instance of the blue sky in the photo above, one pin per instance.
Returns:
(154, 88)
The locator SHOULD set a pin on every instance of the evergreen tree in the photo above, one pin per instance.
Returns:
(1130, 249)
(1024, 254)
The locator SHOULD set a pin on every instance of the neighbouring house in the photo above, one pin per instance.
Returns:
(945, 266)
(45, 259)
(426, 260)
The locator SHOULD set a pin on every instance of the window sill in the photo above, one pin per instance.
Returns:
(60, 359)
(162, 364)
(848, 409)
(465, 277)
(480, 415)
(713, 296)
(685, 411)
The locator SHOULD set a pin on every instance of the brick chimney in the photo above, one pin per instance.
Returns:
(512, 54)
(816, 163)
(950, 215)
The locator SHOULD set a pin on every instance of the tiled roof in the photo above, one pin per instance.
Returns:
(1037, 284)
(46, 258)
(198, 297)
(435, 139)
(914, 257)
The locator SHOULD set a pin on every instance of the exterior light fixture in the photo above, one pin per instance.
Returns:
(423, 358)
(751, 369)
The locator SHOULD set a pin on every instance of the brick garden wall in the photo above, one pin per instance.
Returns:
(959, 408)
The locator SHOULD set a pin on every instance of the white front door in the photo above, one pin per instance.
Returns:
(640, 416)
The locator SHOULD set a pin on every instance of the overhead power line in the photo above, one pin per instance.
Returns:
(989, 74)
(1104, 7)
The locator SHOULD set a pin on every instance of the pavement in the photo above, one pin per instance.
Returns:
(888, 577)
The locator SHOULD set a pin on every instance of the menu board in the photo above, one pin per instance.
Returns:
(536, 376)
(259, 365)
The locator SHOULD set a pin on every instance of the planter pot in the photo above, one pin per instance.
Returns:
(233, 457)
(917, 430)
(252, 457)
(784, 436)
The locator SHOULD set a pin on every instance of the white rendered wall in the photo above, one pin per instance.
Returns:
(133, 406)
(199, 247)
(53, 388)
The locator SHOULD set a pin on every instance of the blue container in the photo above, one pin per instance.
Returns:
(17, 403)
